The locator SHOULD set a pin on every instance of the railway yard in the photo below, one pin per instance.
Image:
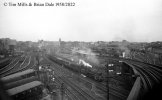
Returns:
(92, 50)
(78, 76)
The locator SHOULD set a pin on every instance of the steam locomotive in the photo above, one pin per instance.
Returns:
(81, 69)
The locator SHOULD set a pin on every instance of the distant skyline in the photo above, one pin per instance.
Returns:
(89, 20)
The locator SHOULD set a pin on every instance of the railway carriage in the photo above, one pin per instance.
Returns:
(29, 91)
(20, 82)
(19, 76)
(95, 75)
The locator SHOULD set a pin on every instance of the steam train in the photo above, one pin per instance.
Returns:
(81, 69)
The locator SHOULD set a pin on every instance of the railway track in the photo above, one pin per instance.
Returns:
(149, 76)
(85, 96)
(5, 62)
(146, 69)
(11, 67)
(67, 91)
(80, 93)
(77, 90)
(70, 92)
(32, 63)
(113, 90)
(27, 64)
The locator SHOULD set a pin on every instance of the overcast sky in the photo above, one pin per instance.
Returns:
(89, 20)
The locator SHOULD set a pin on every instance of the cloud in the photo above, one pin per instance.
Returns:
(104, 20)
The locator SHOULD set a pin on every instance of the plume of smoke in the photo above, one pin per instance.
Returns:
(123, 47)
(84, 63)
(90, 56)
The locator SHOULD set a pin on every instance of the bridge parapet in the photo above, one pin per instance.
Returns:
(135, 91)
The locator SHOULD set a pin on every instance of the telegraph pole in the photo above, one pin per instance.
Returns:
(62, 91)
(107, 80)
(37, 59)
